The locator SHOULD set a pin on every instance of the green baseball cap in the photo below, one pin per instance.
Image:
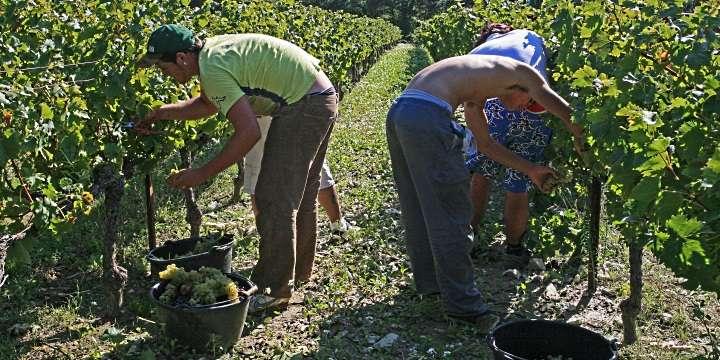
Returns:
(167, 40)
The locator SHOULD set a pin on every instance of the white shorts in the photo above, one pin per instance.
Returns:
(253, 159)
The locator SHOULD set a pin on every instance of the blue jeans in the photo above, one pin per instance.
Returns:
(433, 186)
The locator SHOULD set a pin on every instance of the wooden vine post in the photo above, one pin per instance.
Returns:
(150, 211)
(631, 306)
(594, 245)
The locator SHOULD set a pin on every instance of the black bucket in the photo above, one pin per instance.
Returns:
(207, 327)
(540, 339)
(219, 256)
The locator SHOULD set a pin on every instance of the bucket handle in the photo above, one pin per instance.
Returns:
(225, 246)
(220, 248)
(249, 292)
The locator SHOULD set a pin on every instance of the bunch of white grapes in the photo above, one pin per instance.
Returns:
(203, 287)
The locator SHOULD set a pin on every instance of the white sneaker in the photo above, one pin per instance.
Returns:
(339, 227)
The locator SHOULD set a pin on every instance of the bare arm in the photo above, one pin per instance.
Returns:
(477, 121)
(540, 91)
(246, 134)
(196, 108)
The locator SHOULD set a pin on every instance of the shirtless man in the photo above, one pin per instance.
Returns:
(430, 173)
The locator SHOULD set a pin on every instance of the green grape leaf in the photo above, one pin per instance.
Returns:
(692, 253)
(3, 155)
(683, 226)
(667, 205)
(584, 76)
(46, 112)
(713, 164)
(18, 254)
(644, 194)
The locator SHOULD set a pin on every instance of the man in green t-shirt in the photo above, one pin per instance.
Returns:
(243, 76)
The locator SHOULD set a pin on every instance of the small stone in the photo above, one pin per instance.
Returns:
(618, 321)
(512, 273)
(387, 341)
(536, 264)
(667, 318)
(551, 292)
(19, 329)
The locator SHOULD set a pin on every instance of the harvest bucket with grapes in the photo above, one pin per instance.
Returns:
(204, 309)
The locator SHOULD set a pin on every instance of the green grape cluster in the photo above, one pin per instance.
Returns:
(202, 294)
(169, 295)
(202, 287)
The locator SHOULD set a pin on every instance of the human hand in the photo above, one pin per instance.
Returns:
(543, 177)
(578, 138)
(143, 126)
(185, 178)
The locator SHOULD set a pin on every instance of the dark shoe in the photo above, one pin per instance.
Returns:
(262, 303)
(484, 323)
(516, 257)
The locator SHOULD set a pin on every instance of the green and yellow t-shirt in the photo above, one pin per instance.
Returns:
(270, 71)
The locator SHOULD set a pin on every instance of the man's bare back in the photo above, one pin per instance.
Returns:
(476, 78)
